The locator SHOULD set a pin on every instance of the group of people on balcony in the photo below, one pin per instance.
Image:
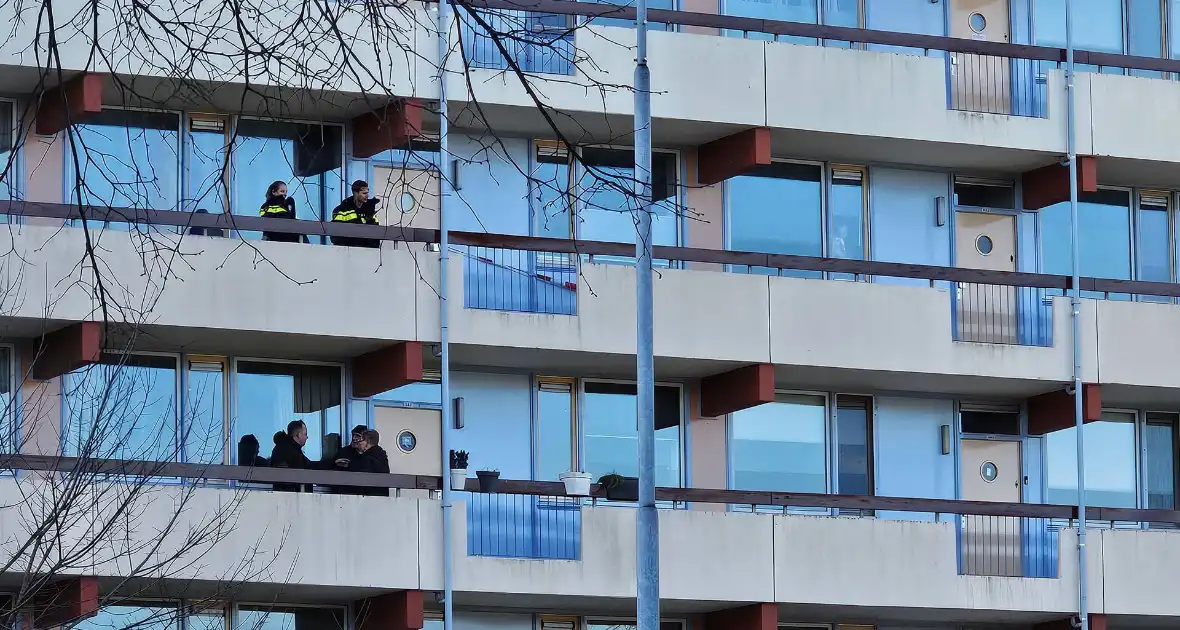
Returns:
(359, 208)
(362, 454)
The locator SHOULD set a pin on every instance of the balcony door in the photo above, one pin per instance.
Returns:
(991, 471)
(980, 83)
(986, 312)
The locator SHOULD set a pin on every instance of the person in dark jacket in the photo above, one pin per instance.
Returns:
(248, 452)
(347, 457)
(373, 459)
(358, 209)
(288, 452)
(279, 206)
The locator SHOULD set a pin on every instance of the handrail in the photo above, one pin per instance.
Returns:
(245, 474)
(396, 233)
(838, 33)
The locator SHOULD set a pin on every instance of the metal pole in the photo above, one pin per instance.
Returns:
(1075, 302)
(444, 192)
(647, 539)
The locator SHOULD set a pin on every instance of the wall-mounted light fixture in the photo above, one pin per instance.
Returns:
(940, 211)
(457, 412)
(945, 434)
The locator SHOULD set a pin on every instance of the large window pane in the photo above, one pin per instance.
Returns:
(555, 439)
(777, 209)
(132, 618)
(846, 216)
(122, 408)
(1104, 235)
(606, 196)
(9, 420)
(8, 174)
(610, 435)
(207, 153)
(1100, 27)
(1159, 461)
(203, 428)
(425, 393)
(1155, 257)
(127, 159)
(854, 443)
(551, 193)
(1144, 32)
(308, 157)
(271, 617)
(780, 446)
(270, 395)
(804, 11)
(1110, 463)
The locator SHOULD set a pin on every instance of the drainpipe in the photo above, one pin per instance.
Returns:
(1075, 302)
(444, 338)
(647, 534)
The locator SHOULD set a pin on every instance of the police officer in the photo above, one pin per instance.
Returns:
(359, 208)
(279, 206)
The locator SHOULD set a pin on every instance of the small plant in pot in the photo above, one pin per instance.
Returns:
(458, 469)
(577, 484)
(489, 480)
(620, 488)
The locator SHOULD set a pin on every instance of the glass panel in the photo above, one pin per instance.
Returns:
(205, 621)
(307, 158)
(841, 13)
(805, 11)
(8, 172)
(270, 395)
(780, 445)
(551, 196)
(607, 200)
(846, 232)
(1155, 258)
(1104, 237)
(555, 439)
(921, 17)
(1144, 31)
(203, 433)
(127, 159)
(610, 439)
(1159, 461)
(424, 393)
(1101, 29)
(207, 156)
(1110, 463)
(132, 618)
(855, 446)
(776, 209)
(289, 618)
(654, 4)
(122, 408)
(9, 421)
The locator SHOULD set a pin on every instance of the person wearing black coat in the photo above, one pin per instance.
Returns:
(373, 459)
(248, 452)
(358, 209)
(288, 453)
(346, 458)
(279, 206)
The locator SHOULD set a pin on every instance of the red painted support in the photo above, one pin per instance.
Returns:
(385, 369)
(733, 155)
(738, 389)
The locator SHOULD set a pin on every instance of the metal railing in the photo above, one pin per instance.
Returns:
(992, 84)
(522, 281)
(524, 526)
(532, 42)
(1007, 546)
(996, 313)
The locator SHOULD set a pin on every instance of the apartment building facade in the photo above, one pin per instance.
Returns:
(862, 321)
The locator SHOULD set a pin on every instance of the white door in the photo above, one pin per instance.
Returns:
(986, 312)
(991, 471)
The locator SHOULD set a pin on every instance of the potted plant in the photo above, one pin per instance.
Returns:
(620, 488)
(458, 469)
(577, 484)
(488, 480)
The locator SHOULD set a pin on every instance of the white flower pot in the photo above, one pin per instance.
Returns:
(458, 478)
(577, 484)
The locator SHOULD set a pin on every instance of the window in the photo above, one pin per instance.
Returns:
(551, 190)
(273, 617)
(1154, 250)
(1101, 28)
(1159, 460)
(555, 451)
(1110, 472)
(854, 444)
(1104, 234)
(126, 159)
(203, 426)
(804, 11)
(606, 201)
(786, 208)
(154, 617)
(981, 193)
(427, 393)
(10, 419)
(8, 169)
(987, 419)
(610, 437)
(123, 407)
(270, 394)
(781, 445)
(307, 157)
(208, 170)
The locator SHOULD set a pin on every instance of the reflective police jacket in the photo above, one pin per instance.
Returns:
(278, 208)
(348, 212)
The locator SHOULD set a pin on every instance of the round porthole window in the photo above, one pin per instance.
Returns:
(407, 202)
(983, 244)
(977, 22)
(406, 441)
(989, 472)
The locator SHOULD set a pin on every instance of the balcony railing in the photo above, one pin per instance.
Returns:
(525, 40)
(513, 280)
(534, 519)
(996, 313)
